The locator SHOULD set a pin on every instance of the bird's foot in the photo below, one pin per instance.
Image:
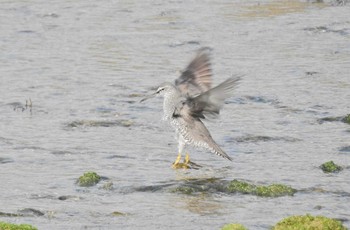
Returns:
(178, 165)
(181, 166)
(187, 164)
(191, 164)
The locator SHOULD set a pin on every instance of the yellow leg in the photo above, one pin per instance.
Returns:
(184, 165)
(177, 159)
(176, 164)
(187, 159)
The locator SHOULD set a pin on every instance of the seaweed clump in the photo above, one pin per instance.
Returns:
(89, 179)
(214, 185)
(234, 227)
(346, 119)
(10, 226)
(185, 190)
(330, 167)
(308, 222)
(273, 190)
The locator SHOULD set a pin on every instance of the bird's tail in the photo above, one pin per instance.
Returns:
(215, 148)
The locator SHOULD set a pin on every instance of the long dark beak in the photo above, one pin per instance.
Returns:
(148, 97)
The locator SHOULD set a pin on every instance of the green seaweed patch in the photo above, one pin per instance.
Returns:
(308, 222)
(6, 214)
(204, 185)
(216, 185)
(241, 187)
(234, 227)
(89, 179)
(184, 190)
(330, 167)
(273, 190)
(23, 212)
(346, 119)
(329, 119)
(10, 226)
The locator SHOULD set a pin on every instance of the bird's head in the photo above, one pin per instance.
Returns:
(162, 90)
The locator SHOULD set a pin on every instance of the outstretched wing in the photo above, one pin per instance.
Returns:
(196, 78)
(189, 110)
(209, 103)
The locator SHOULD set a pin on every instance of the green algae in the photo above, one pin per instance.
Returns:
(184, 190)
(215, 185)
(329, 119)
(346, 119)
(330, 167)
(234, 227)
(308, 222)
(10, 226)
(89, 179)
(203, 185)
(6, 214)
(273, 190)
(241, 187)
(23, 212)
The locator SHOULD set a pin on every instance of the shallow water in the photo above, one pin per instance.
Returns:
(86, 64)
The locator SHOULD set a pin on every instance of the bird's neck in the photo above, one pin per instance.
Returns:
(170, 100)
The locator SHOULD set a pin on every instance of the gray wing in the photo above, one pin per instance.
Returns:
(196, 78)
(209, 103)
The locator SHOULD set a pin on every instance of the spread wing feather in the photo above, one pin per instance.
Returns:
(197, 77)
(209, 103)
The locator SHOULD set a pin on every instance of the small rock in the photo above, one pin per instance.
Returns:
(108, 185)
(69, 197)
(4, 160)
(345, 149)
(30, 212)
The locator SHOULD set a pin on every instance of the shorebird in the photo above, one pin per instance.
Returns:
(190, 100)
